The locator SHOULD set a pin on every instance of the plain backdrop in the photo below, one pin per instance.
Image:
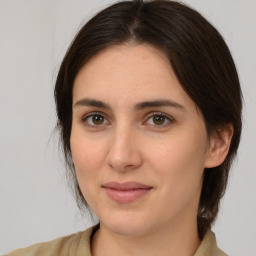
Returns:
(35, 202)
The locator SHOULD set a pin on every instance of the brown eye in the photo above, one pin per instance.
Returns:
(95, 119)
(159, 119)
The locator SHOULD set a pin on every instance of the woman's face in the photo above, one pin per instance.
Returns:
(138, 141)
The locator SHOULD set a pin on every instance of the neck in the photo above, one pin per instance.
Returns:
(163, 241)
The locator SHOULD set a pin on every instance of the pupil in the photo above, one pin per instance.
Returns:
(159, 120)
(98, 119)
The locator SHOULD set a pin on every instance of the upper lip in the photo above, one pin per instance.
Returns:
(126, 185)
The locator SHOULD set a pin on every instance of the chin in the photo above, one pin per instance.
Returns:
(126, 224)
(128, 230)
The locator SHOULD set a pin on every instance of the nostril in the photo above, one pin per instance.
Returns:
(123, 163)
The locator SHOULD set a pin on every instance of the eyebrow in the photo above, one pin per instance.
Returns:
(139, 106)
(158, 103)
(92, 103)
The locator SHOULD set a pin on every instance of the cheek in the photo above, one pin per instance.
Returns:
(87, 156)
(178, 153)
(179, 161)
(87, 159)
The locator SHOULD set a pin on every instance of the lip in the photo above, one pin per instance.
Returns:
(126, 192)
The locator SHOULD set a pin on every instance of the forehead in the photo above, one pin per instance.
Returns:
(135, 58)
(135, 72)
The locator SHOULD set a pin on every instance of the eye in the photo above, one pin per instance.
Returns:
(95, 119)
(159, 119)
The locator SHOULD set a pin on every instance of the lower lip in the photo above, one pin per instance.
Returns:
(126, 196)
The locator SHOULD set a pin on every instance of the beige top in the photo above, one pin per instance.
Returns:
(78, 244)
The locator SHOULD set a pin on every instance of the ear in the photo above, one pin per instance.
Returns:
(219, 146)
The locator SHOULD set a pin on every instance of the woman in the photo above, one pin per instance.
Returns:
(149, 109)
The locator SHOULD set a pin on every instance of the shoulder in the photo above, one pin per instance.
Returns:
(76, 244)
(208, 246)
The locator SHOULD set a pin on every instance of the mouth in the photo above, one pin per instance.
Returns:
(125, 192)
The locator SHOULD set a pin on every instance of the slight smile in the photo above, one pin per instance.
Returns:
(125, 192)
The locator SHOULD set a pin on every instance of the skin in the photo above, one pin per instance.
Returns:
(128, 143)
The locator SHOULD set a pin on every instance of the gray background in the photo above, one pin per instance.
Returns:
(35, 203)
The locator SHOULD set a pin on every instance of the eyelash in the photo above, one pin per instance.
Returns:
(167, 119)
(93, 114)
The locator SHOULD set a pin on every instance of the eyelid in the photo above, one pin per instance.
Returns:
(90, 114)
(147, 117)
(168, 117)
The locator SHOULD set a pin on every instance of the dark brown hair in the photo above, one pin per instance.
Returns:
(199, 57)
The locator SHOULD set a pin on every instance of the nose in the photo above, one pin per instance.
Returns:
(124, 151)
